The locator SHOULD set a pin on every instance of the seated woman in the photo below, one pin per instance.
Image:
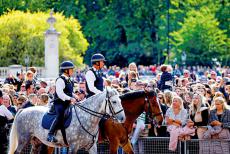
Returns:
(176, 120)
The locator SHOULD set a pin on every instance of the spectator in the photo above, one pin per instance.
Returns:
(81, 94)
(168, 98)
(10, 80)
(29, 88)
(30, 77)
(176, 117)
(41, 91)
(133, 68)
(161, 130)
(186, 74)
(43, 99)
(132, 84)
(220, 117)
(132, 76)
(187, 99)
(166, 79)
(199, 114)
(32, 101)
(35, 74)
(82, 86)
(21, 101)
(43, 84)
(213, 75)
(8, 104)
(5, 115)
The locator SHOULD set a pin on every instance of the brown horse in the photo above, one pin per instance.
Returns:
(134, 103)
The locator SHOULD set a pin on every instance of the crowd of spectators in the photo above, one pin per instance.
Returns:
(194, 100)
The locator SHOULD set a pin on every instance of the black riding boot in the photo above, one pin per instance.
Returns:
(64, 136)
(53, 128)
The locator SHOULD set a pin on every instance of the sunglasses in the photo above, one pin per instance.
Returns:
(160, 97)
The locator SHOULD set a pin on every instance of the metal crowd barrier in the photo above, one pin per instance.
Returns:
(153, 145)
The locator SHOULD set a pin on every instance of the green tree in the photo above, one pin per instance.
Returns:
(23, 34)
(129, 30)
(201, 38)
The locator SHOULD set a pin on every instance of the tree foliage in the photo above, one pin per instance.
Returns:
(201, 38)
(137, 30)
(23, 34)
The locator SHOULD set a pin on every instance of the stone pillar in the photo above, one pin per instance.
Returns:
(51, 49)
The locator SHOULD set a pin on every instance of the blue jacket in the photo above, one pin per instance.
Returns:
(225, 118)
(165, 79)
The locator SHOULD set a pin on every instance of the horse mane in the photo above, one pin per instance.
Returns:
(90, 101)
(136, 94)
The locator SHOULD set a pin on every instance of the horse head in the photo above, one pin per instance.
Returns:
(113, 105)
(152, 107)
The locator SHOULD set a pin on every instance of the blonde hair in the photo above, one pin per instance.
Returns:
(28, 73)
(168, 97)
(44, 98)
(218, 94)
(196, 108)
(133, 64)
(180, 100)
(222, 101)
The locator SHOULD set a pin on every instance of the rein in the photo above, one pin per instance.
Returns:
(96, 114)
(149, 114)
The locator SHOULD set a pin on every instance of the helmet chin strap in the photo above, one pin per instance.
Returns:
(98, 64)
(67, 72)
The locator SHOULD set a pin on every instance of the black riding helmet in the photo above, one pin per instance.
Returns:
(66, 65)
(97, 57)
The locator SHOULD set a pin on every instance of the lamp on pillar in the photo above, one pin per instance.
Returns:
(183, 57)
(27, 60)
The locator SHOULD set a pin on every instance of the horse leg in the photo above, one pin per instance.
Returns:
(128, 149)
(22, 143)
(36, 145)
(93, 149)
(50, 150)
(113, 147)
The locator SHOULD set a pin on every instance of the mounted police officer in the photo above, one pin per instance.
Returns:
(63, 97)
(94, 80)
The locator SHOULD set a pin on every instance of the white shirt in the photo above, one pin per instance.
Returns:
(60, 86)
(5, 112)
(90, 79)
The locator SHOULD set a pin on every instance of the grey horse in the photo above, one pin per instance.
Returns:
(83, 130)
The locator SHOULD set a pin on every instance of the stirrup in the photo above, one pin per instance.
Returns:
(51, 138)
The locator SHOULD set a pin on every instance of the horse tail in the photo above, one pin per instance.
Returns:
(14, 135)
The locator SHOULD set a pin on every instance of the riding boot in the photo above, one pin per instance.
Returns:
(53, 128)
(64, 136)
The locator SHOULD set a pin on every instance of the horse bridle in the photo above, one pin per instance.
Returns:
(149, 114)
(96, 114)
(101, 115)
(111, 108)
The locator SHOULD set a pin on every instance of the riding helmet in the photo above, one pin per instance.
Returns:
(97, 57)
(66, 65)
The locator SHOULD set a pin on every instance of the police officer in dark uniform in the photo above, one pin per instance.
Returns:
(94, 80)
(63, 97)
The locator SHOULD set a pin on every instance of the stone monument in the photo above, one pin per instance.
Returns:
(51, 49)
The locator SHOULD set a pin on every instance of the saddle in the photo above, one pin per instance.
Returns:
(49, 117)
